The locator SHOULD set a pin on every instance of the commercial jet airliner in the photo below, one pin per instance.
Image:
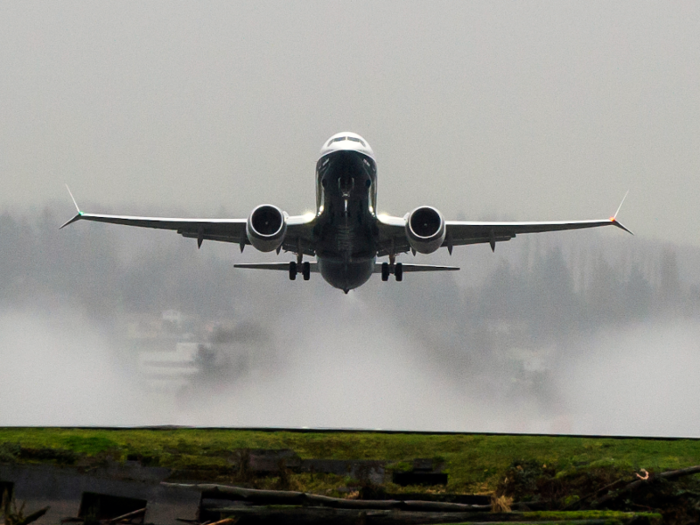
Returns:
(345, 235)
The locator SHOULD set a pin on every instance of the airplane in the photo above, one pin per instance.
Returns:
(345, 234)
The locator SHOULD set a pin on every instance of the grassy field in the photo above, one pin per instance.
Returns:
(475, 463)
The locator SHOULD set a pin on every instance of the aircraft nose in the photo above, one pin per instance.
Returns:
(347, 141)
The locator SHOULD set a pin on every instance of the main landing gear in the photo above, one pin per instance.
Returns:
(295, 267)
(397, 271)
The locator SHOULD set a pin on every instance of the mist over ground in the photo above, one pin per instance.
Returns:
(579, 332)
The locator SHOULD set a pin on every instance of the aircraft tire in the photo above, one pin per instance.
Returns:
(292, 271)
(385, 271)
(306, 270)
(398, 272)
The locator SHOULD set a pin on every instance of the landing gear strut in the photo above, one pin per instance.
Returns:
(385, 271)
(299, 266)
(395, 268)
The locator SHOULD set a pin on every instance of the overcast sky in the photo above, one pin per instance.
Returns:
(519, 110)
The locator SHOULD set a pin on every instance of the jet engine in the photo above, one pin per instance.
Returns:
(266, 227)
(425, 229)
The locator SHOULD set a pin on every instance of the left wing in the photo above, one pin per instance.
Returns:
(464, 232)
(392, 231)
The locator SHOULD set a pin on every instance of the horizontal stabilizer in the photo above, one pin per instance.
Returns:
(420, 268)
(283, 266)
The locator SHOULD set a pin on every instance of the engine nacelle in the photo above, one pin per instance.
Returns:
(425, 229)
(266, 227)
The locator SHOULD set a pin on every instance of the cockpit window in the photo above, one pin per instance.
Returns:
(339, 139)
(354, 139)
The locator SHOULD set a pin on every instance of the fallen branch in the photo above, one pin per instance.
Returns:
(592, 494)
(33, 517)
(227, 521)
(128, 515)
(282, 497)
(669, 475)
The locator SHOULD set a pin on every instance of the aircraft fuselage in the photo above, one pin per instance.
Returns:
(345, 232)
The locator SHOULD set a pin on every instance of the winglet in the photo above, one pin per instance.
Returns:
(620, 225)
(614, 216)
(614, 220)
(79, 214)
(78, 208)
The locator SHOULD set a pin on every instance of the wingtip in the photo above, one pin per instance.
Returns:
(77, 217)
(620, 225)
(614, 220)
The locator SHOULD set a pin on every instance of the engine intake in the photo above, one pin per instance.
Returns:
(425, 229)
(266, 227)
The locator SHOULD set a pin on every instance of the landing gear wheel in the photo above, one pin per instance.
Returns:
(292, 271)
(385, 271)
(398, 272)
(306, 270)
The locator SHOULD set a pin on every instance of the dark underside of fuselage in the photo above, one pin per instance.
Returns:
(346, 227)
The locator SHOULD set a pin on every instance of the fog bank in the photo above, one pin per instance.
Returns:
(580, 333)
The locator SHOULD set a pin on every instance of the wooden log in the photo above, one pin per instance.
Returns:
(323, 515)
(227, 521)
(282, 497)
(673, 474)
(339, 503)
(127, 516)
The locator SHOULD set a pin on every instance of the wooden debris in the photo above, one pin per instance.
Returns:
(281, 497)
(639, 483)
(128, 516)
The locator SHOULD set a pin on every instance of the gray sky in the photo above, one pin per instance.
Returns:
(520, 110)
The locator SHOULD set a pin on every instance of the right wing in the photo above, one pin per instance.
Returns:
(299, 228)
(226, 230)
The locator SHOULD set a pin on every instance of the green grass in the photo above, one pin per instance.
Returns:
(474, 463)
(562, 518)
